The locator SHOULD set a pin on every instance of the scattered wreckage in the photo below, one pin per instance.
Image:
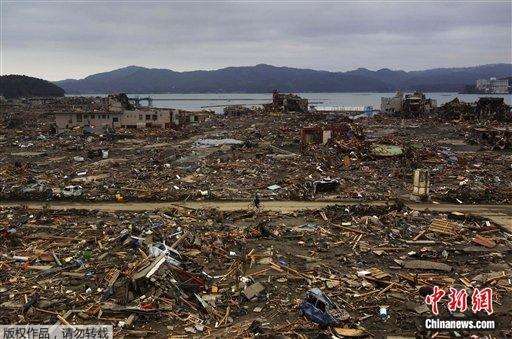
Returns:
(360, 270)
(277, 155)
(341, 270)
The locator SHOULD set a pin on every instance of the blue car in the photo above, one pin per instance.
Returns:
(318, 308)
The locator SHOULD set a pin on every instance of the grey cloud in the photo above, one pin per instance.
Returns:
(64, 40)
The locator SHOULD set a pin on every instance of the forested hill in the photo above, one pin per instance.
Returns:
(15, 86)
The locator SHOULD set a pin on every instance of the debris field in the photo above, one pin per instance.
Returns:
(208, 273)
(277, 155)
(347, 270)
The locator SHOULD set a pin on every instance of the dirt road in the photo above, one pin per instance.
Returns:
(501, 214)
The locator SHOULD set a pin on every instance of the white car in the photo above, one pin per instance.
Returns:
(72, 191)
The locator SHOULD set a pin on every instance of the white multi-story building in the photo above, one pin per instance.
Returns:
(492, 86)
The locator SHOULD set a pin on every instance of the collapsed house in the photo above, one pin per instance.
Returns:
(457, 110)
(287, 102)
(117, 111)
(490, 108)
(485, 109)
(410, 105)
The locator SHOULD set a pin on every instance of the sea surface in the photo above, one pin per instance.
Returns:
(217, 102)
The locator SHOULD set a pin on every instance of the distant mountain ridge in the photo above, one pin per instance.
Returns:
(264, 78)
(16, 86)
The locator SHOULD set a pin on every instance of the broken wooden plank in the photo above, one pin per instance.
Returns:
(180, 239)
(348, 229)
(150, 269)
(419, 235)
(426, 265)
(377, 273)
(486, 242)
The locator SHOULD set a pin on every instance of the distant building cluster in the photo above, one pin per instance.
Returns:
(492, 86)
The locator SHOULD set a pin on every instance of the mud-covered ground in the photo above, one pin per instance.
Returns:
(360, 256)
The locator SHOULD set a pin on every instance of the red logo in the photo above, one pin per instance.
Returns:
(458, 300)
(481, 300)
(434, 298)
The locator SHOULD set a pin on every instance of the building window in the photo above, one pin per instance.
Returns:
(86, 117)
(92, 116)
(148, 116)
(108, 116)
(155, 117)
(140, 116)
(115, 119)
(103, 116)
(79, 118)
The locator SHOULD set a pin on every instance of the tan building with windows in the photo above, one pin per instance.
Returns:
(150, 117)
(118, 112)
(71, 119)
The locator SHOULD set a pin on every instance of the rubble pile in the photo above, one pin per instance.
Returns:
(456, 110)
(493, 109)
(236, 274)
(487, 122)
(484, 111)
(237, 110)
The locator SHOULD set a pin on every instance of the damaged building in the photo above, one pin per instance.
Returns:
(408, 105)
(392, 104)
(117, 111)
(287, 102)
(417, 104)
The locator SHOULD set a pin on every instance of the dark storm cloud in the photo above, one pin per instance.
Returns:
(59, 40)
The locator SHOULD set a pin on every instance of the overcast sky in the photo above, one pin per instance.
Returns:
(59, 40)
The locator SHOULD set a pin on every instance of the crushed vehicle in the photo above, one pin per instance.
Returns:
(318, 308)
(36, 190)
(72, 191)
